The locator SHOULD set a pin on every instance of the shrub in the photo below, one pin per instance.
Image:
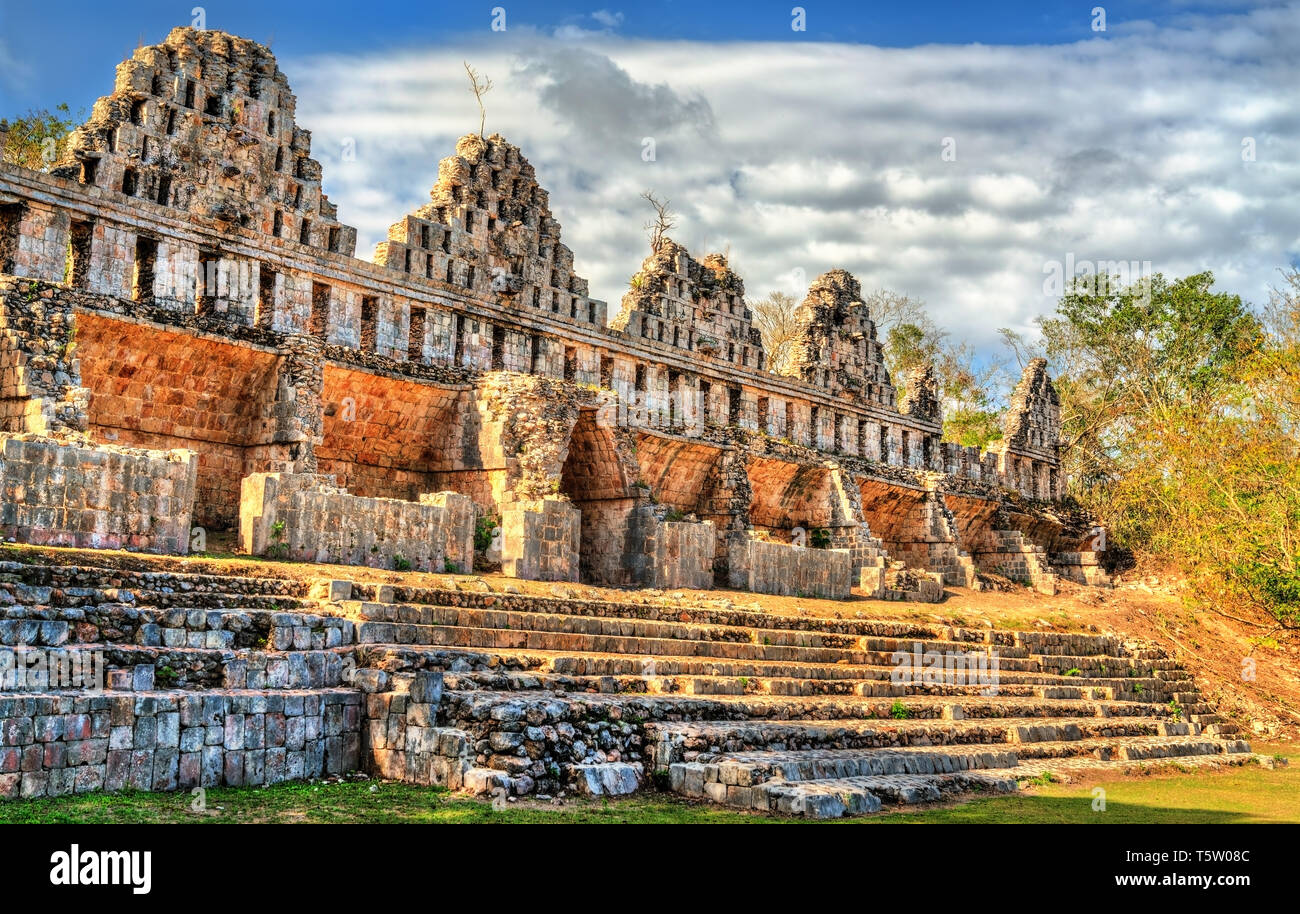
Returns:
(483, 531)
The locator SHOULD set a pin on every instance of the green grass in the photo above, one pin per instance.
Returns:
(351, 802)
(1247, 794)
(1240, 795)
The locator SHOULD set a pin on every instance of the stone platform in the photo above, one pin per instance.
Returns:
(212, 680)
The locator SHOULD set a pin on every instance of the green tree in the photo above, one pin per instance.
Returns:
(1126, 356)
(971, 390)
(38, 140)
(972, 405)
(908, 347)
(1181, 414)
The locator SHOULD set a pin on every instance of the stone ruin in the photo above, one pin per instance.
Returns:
(188, 343)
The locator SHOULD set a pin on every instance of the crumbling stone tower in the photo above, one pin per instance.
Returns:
(204, 124)
(489, 230)
(697, 305)
(1031, 437)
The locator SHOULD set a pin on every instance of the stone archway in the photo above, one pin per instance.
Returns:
(595, 480)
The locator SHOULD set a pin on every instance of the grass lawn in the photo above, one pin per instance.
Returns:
(1247, 794)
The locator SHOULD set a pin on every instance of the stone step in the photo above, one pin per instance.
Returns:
(853, 796)
(89, 597)
(1104, 666)
(528, 640)
(419, 625)
(514, 680)
(91, 576)
(749, 768)
(551, 615)
(666, 608)
(722, 708)
(675, 609)
(215, 628)
(569, 671)
(1066, 643)
(391, 633)
(510, 728)
(593, 624)
(120, 667)
(422, 616)
(688, 740)
(835, 784)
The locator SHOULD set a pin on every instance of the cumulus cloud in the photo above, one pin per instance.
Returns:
(801, 157)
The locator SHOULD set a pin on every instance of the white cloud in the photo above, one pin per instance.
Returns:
(607, 19)
(814, 156)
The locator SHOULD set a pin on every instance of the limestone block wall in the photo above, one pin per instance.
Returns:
(40, 388)
(605, 541)
(56, 745)
(401, 739)
(540, 540)
(34, 240)
(666, 554)
(390, 437)
(776, 568)
(142, 393)
(968, 462)
(1081, 568)
(54, 493)
(309, 517)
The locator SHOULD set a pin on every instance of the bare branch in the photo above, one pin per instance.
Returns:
(663, 222)
(774, 318)
(480, 86)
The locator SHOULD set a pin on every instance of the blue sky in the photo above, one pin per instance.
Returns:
(93, 37)
(798, 152)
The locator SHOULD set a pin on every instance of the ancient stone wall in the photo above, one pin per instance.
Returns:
(1027, 454)
(401, 739)
(393, 437)
(40, 388)
(1011, 556)
(697, 305)
(489, 229)
(540, 540)
(765, 567)
(310, 518)
(56, 745)
(837, 348)
(57, 493)
(200, 393)
(204, 123)
(665, 553)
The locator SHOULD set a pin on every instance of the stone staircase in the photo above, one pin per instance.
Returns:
(1023, 561)
(234, 680)
(782, 714)
(161, 681)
